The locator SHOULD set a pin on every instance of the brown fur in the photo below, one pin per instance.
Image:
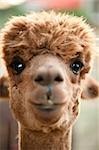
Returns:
(90, 88)
(43, 40)
(4, 87)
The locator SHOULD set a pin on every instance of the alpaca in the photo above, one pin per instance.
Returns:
(48, 56)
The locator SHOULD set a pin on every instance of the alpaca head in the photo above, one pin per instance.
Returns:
(47, 56)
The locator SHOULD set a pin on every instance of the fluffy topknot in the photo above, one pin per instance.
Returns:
(44, 32)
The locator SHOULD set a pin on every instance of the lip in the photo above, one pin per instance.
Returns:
(49, 106)
(47, 112)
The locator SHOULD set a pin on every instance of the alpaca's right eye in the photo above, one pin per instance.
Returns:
(17, 65)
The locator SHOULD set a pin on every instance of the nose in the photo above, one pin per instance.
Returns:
(48, 75)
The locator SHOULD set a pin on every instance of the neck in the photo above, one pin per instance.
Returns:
(37, 140)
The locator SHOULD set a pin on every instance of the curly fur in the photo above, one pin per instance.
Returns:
(39, 39)
(59, 34)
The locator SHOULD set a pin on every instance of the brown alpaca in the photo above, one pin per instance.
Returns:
(47, 56)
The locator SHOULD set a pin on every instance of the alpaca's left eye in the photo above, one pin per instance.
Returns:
(76, 66)
(17, 65)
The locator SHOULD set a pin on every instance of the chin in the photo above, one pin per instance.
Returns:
(47, 113)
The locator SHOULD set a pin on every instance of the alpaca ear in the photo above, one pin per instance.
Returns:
(90, 89)
(4, 87)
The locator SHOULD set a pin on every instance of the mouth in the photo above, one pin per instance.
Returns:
(48, 112)
(49, 106)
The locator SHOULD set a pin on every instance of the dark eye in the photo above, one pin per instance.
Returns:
(76, 66)
(17, 65)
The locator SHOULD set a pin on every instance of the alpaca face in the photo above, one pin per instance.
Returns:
(46, 90)
(47, 55)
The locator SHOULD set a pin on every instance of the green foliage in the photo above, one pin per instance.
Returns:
(8, 13)
(77, 12)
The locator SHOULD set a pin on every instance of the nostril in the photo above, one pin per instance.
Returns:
(58, 78)
(39, 79)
